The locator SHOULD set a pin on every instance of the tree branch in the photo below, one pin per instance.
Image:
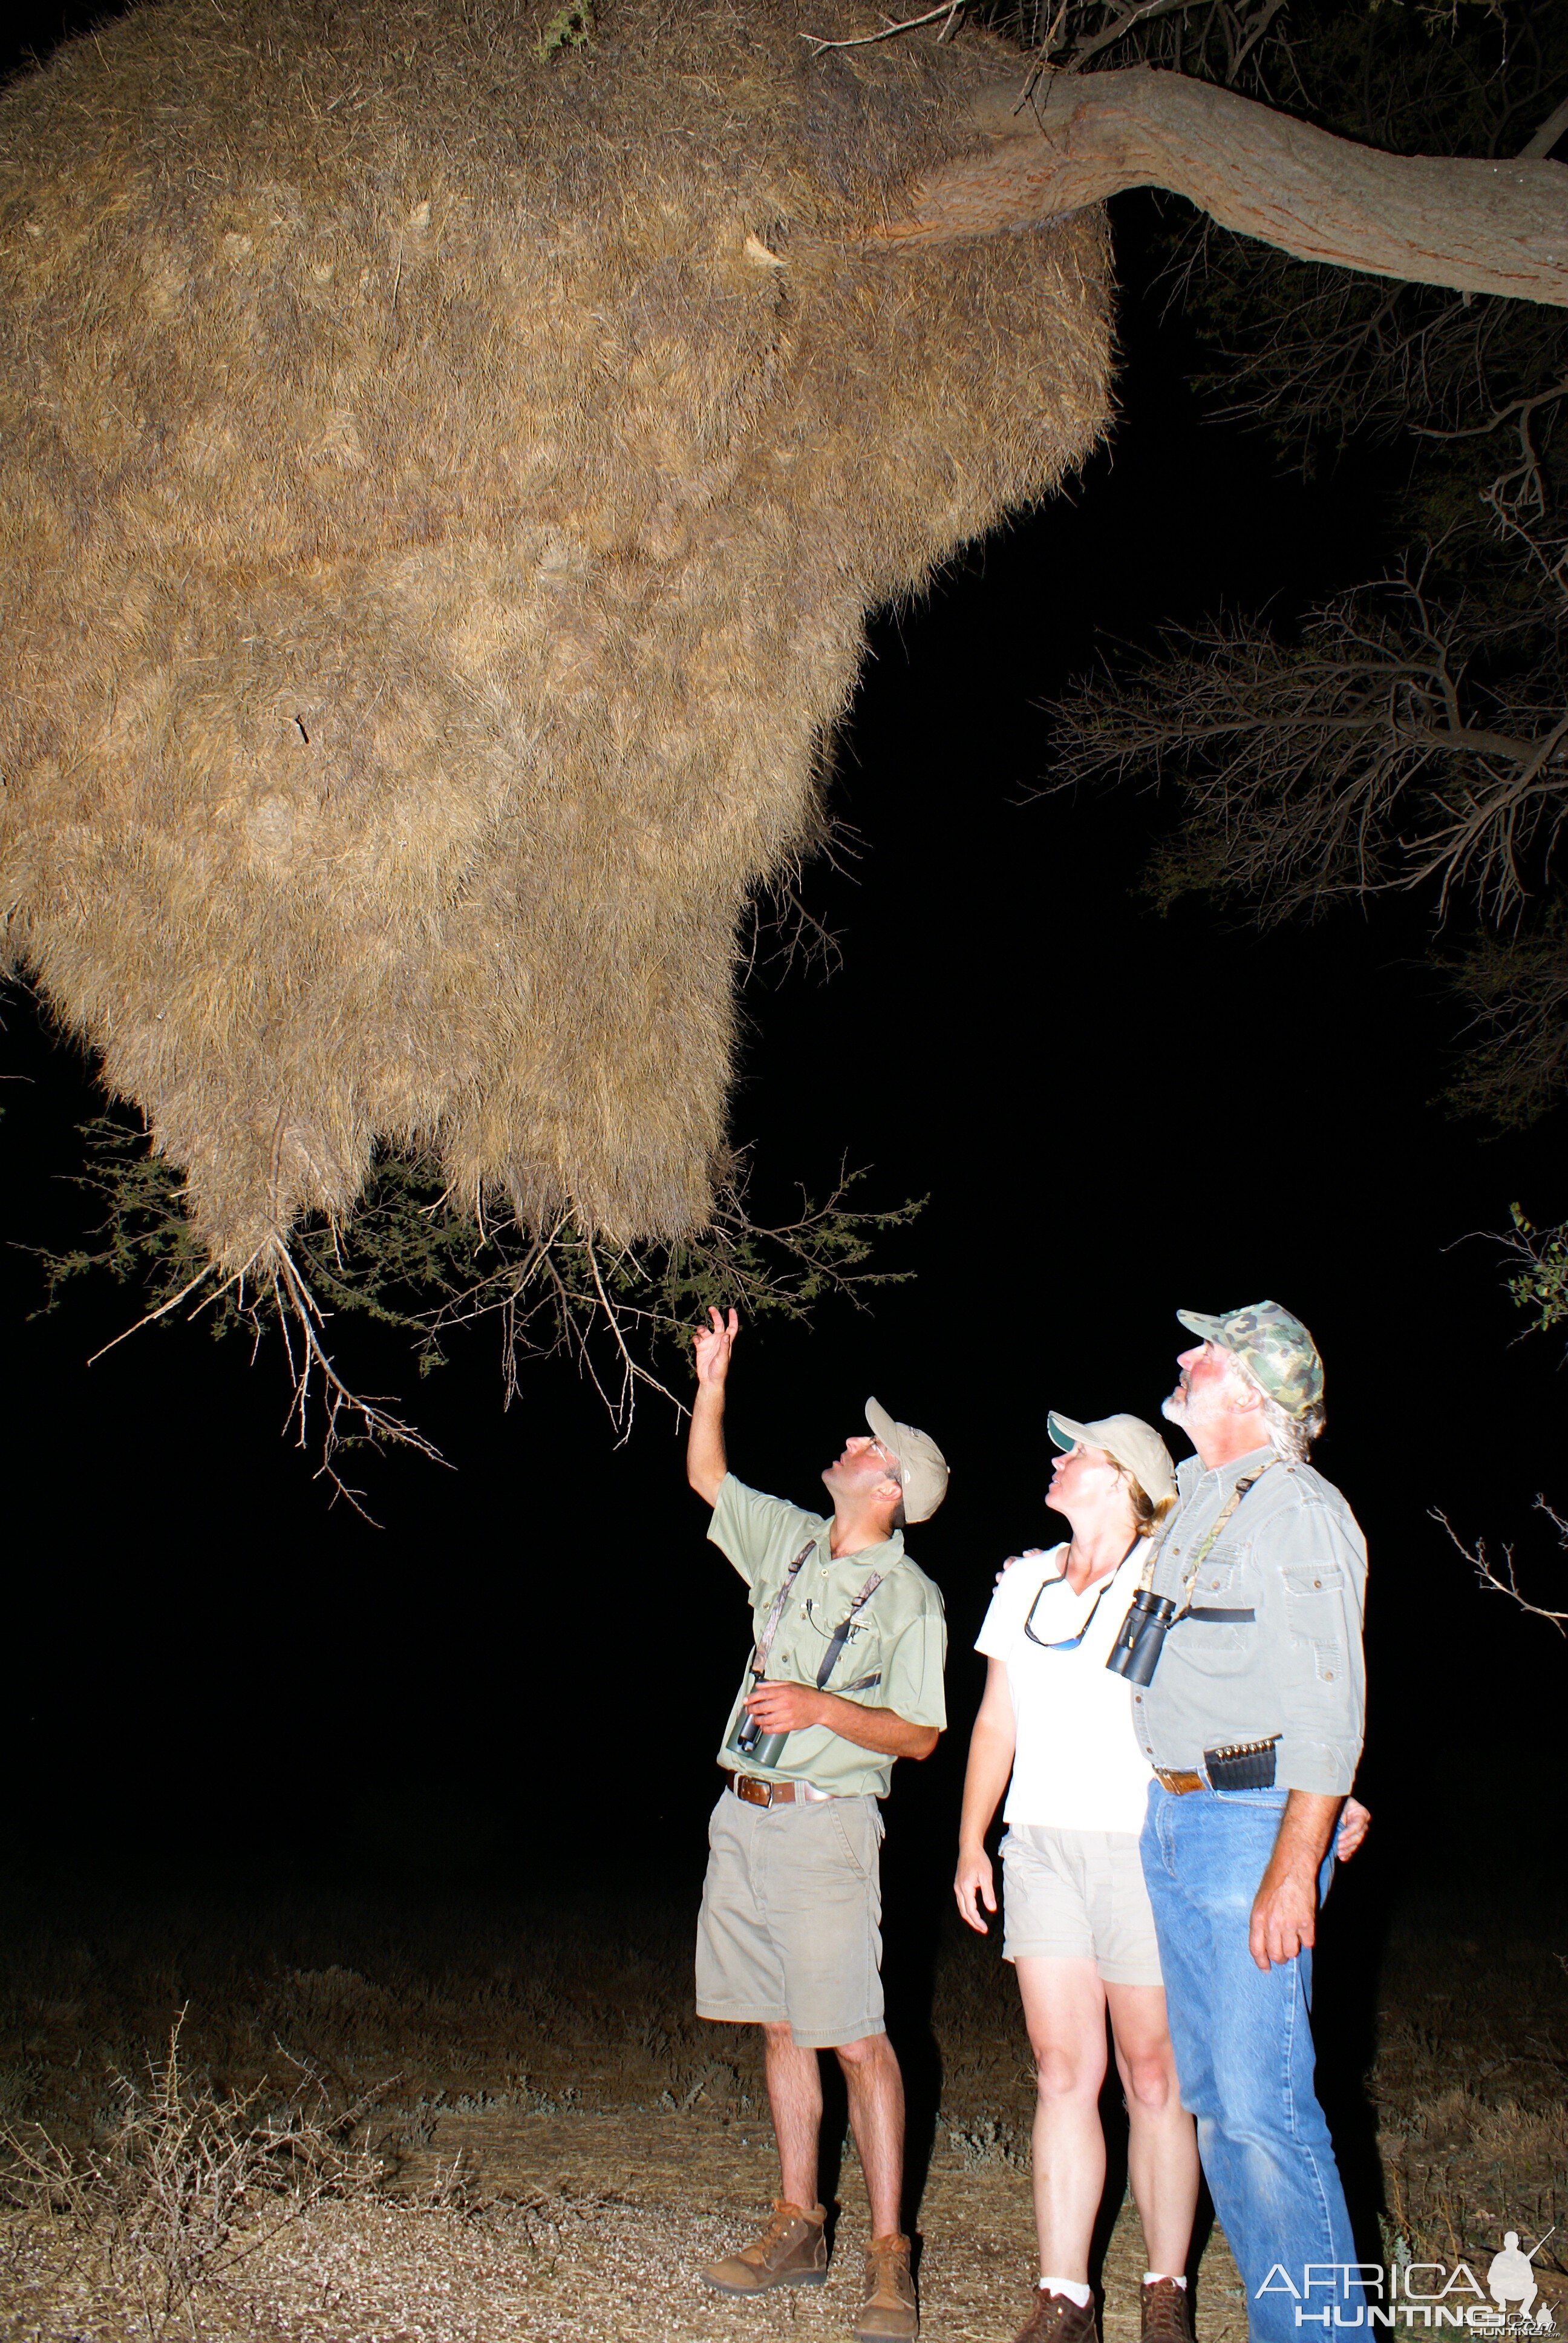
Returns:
(1472, 225)
(820, 44)
(1555, 127)
(1504, 1579)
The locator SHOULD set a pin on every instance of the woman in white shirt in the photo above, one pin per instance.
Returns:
(1079, 1927)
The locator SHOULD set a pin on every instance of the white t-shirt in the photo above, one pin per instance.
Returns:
(1076, 1765)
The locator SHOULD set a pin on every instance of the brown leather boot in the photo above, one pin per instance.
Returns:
(1057, 2319)
(1166, 2314)
(791, 2251)
(887, 2312)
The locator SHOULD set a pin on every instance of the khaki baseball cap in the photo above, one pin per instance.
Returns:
(1274, 1347)
(922, 1467)
(1136, 1445)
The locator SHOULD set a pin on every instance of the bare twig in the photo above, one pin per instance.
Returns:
(951, 9)
(1503, 1578)
(162, 1310)
(299, 1313)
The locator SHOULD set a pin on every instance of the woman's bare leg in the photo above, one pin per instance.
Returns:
(1064, 2009)
(1162, 2145)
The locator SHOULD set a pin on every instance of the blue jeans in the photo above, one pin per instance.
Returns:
(1244, 2056)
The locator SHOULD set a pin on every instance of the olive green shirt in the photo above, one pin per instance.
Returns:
(899, 1637)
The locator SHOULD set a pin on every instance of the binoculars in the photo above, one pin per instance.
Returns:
(751, 1742)
(1140, 1638)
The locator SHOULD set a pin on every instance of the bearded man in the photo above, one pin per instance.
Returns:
(1252, 1721)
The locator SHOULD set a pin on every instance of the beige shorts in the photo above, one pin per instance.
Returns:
(1079, 1895)
(790, 1926)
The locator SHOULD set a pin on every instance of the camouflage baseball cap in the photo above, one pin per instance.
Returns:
(1274, 1347)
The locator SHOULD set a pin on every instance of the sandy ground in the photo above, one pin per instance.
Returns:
(586, 2228)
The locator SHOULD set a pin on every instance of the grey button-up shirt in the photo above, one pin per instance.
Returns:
(1291, 1560)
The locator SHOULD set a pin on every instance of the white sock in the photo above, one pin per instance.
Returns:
(1073, 2288)
(1153, 2278)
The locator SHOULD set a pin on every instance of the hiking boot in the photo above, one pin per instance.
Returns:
(791, 2251)
(1057, 2319)
(1166, 2313)
(887, 2312)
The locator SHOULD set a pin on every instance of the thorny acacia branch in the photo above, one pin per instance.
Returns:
(409, 1260)
(180, 2184)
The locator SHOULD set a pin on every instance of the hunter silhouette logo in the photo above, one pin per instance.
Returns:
(1511, 2281)
(1421, 2294)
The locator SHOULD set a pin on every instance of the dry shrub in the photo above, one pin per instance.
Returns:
(179, 2184)
(442, 476)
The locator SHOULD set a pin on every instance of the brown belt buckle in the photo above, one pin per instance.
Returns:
(1180, 1783)
(751, 1791)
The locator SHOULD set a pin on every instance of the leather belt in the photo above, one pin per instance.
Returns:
(1239, 1765)
(1179, 1784)
(753, 1791)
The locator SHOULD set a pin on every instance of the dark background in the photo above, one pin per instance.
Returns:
(216, 1675)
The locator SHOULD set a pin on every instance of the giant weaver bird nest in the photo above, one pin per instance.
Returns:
(443, 474)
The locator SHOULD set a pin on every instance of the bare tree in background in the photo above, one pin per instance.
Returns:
(1410, 735)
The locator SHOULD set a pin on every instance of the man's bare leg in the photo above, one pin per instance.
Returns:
(875, 2091)
(795, 2098)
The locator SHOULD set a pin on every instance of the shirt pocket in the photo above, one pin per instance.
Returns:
(1220, 1626)
(861, 1655)
(1314, 1615)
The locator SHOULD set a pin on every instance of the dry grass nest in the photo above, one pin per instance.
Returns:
(443, 469)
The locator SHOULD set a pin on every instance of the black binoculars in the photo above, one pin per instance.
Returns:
(1140, 1638)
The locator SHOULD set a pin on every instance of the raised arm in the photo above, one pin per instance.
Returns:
(705, 1462)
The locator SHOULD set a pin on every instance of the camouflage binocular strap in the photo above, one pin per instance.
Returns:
(1211, 1538)
(840, 1633)
(770, 1628)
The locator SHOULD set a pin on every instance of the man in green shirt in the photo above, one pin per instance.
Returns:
(846, 1674)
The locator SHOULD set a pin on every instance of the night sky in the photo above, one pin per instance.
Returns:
(1113, 1113)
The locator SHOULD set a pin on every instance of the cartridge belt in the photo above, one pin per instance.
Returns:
(1239, 1765)
(755, 1792)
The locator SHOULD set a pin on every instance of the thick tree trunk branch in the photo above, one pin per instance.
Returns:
(1478, 227)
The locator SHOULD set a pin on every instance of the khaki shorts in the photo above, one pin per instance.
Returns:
(1079, 1895)
(789, 1929)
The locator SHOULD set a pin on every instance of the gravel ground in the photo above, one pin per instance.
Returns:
(585, 2229)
